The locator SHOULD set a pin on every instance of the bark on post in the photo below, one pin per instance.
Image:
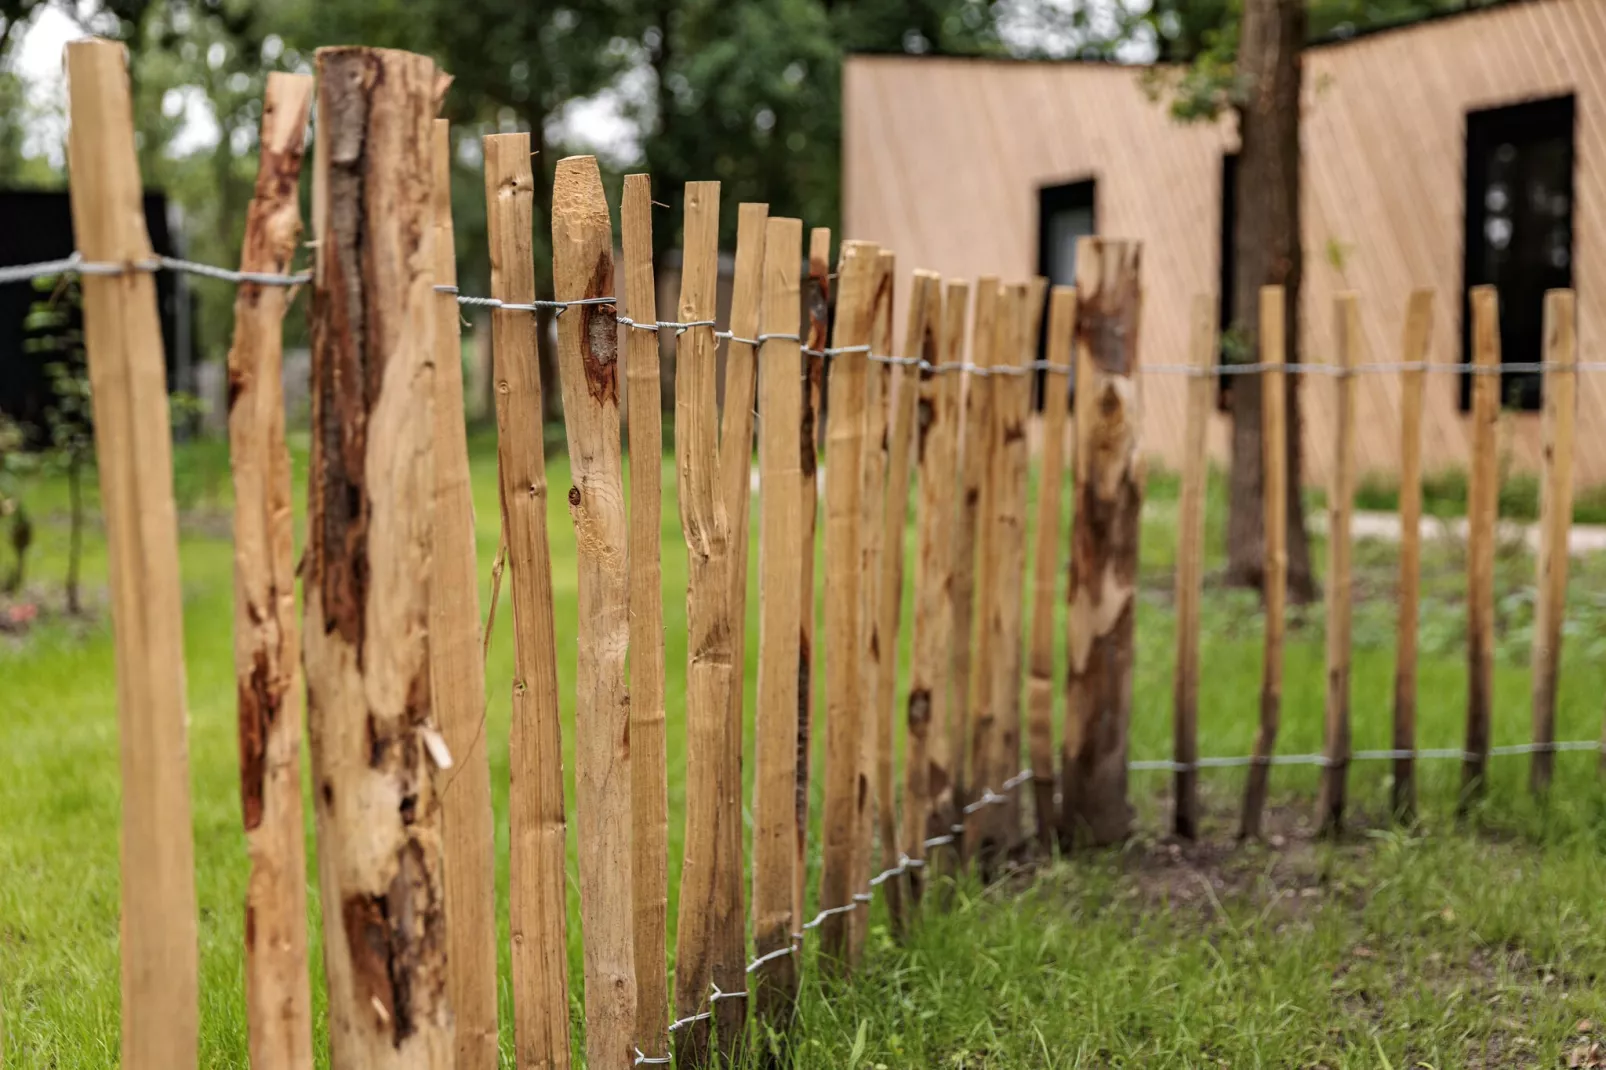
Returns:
(710, 669)
(780, 607)
(1104, 543)
(970, 544)
(736, 482)
(920, 337)
(375, 748)
(1340, 505)
(1274, 585)
(1555, 520)
(844, 674)
(649, 769)
(928, 762)
(818, 308)
(537, 894)
(457, 670)
(588, 363)
(1190, 571)
(1413, 351)
(133, 450)
(266, 643)
(1483, 509)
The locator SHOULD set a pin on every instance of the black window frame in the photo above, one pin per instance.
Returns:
(1051, 199)
(1227, 263)
(1522, 121)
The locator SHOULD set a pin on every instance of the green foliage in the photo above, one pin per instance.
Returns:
(1432, 944)
(1199, 43)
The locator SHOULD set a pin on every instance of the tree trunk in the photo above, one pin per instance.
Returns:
(1267, 244)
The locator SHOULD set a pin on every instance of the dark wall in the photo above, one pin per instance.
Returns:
(37, 225)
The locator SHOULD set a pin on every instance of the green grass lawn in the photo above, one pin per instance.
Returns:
(1477, 943)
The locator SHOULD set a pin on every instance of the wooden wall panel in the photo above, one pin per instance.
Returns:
(943, 157)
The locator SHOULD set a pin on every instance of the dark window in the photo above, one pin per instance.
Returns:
(1064, 214)
(1519, 216)
(1229, 267)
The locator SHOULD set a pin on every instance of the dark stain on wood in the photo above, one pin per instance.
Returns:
(805, 677)
(919, 709)
(338, 527)
(599, 338)
(925, 416)
(259, 698)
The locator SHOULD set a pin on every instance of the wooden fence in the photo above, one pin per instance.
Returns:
(391, 643)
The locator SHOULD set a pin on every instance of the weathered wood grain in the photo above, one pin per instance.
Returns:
(710, 670)
(649, 769)
(1340, 508)
(1104, 543)
(817, 302)
(1483, 508)
(781, 601)
(588, 364)
(1047, 561)
(133, 452)
(538, 896)
(1190, 572)
(928, 760)
(975, 458)
(1555, 521)
(857, 273)
(367, 565)
(1274, 578)
(1413, 350)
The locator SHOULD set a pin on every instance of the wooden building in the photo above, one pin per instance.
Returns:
(1464, 149)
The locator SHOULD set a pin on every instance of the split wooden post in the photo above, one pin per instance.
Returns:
(920, 336)
(1414, 352)
(1104, 541)
(736, 482)
(970, 549)
(588, 364)
(1274, 593)
(874, 659)
(538, 896)
(844, 433)
(780, 607)
(1483, 506)
(1340, 507)
(818, 307)
(1190, 569)
(266, 642)
(1555, 521)
(649, 777)
(133, 450)
(710, 668)
(1046, 571)
(1012, 399)
(928, 759)
(457, 670)
(1017, 451)
(374, 742)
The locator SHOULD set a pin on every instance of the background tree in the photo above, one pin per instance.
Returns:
(1244, 56)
